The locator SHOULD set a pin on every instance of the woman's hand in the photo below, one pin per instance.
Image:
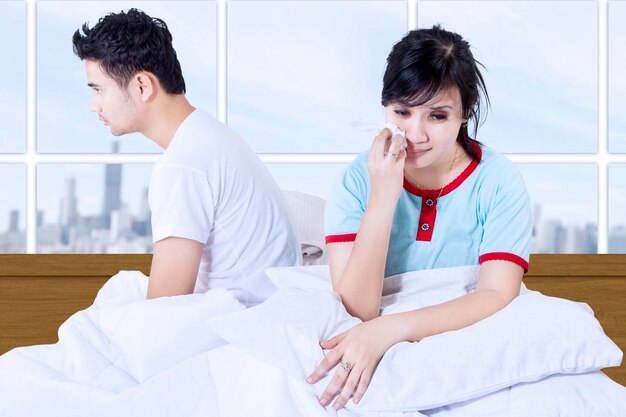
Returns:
(386, 166)
(356, 354)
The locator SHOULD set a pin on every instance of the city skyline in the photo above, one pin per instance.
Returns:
(113, 176)
(551, 234)
(111, 230)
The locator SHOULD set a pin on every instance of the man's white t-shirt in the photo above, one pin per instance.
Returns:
(209, 186)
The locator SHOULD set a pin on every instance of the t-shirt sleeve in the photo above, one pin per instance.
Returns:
(181, 203)
(345, 206)
(508, 221)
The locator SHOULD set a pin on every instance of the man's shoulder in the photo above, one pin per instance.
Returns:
(201, 126)
(199, 141)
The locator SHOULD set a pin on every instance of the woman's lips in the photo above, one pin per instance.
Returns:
(416, 153)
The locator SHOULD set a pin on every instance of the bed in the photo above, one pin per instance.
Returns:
(39, 292)
(198, 355)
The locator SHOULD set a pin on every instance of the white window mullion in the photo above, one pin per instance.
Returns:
(308, 158)
(411, 9)
(31, 126)
(603, 183)
(222, 59)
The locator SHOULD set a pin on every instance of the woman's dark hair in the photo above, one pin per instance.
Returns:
(128, 42)
(427, 61)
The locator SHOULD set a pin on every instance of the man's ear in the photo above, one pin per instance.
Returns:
(145, 86)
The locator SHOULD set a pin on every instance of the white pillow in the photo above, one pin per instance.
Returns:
(590, 394)
(305, 277)
(153, 335)
(402, 292)
(307, 212)
(535, 336)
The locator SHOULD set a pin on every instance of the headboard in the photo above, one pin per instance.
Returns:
(39, 292)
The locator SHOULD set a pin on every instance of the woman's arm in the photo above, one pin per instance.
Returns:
(357, 268)
(364, 345)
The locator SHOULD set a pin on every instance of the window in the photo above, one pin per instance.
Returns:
(301, 72)
(12, 209)
(300, 82)
(93, 208)
(13, 75)
(88, 191)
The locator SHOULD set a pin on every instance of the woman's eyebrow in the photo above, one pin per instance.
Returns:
(444, 107)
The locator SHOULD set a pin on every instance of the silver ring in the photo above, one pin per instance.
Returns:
(391, 154)
(345, 366)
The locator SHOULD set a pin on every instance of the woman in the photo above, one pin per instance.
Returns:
(438, 199)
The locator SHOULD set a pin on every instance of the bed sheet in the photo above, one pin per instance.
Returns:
(126, 356)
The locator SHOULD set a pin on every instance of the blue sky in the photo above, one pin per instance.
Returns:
(13, 72)
(617, 191)
(14, 193)
(617, 81)
(300, 72)
(317, 67)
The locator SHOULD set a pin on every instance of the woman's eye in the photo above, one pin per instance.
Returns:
(438, 116)
(401, 112)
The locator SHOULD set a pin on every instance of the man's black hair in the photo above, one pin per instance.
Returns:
(128, 42)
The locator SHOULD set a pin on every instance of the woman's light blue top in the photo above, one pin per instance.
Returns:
(484, 215)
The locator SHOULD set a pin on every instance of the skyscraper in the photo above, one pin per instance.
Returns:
(112, 189)
(14, 221)
(69, 212)
(144, 205)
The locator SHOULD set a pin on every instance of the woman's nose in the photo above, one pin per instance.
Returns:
(415, 132)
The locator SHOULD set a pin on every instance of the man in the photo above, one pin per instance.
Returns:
(218, 218)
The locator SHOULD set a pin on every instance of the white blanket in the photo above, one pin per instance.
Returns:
(127, 356)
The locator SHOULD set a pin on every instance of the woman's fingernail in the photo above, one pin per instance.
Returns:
(323, 401)
(309, 379)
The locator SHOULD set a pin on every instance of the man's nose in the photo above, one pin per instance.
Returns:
(94, 105)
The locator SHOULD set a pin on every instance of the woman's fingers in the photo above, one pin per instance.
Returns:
(364, 382)
(396, 146)
(348, 388)
(331, 343)
(381, 143)
(330, 360)
(335, 385)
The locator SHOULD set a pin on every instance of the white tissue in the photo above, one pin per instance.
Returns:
(378, 126)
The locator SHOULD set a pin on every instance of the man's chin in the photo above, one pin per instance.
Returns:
(117, 132)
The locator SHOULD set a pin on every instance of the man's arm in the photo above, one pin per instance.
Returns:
(174, 268)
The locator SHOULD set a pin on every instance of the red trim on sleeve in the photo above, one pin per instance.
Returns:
(504, 256)
(350, 237)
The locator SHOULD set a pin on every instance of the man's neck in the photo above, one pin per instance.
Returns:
(165, 117)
